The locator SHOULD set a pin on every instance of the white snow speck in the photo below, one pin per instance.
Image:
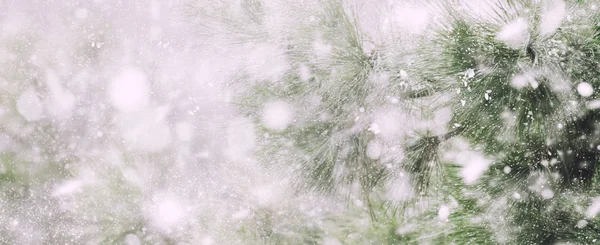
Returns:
(30, 106)
(514, 34)
(470, 73)
(516, 196)
(522, 80)
(374, 128)
(67, 188)
(389, 123)
(552, 16)
(547, 193)
(167, 213)
(593, 209)
(444, 212)
(581, 224)
(374, 150)
(534, 84)
(129, 91)
(277, 115)
(585, 89)
(474, 166)
(594, 104)
(507, 169)
(403, 74)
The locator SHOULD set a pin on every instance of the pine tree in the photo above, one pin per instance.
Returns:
(517, 79)
(478, 125)
(523, 95)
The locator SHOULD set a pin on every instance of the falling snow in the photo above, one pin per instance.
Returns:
(515, 33)
(129, 91)
(585, 89)
(277, 115)
(295, 122)
(553, 15)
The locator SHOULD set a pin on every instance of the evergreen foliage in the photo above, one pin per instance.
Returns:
(481, 128)
(516, 100)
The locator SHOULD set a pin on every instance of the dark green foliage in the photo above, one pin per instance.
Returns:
(320, 146)
(421, 162)
(535, 131)
(517, 104)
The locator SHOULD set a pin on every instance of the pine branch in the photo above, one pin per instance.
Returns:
(422, 159)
